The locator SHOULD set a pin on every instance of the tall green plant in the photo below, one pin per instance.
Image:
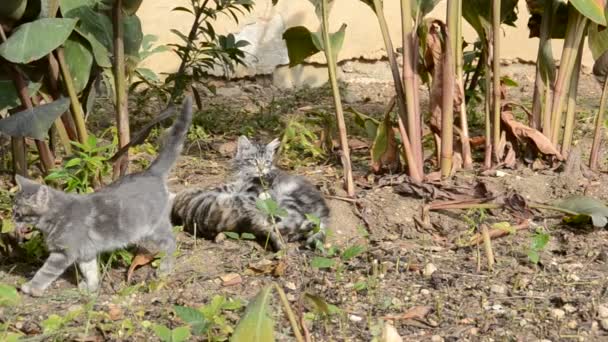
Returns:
(301, 44)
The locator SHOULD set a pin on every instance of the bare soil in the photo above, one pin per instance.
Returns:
(406, 266)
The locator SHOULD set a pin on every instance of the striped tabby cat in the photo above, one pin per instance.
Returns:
(232, 207)
(79, 227)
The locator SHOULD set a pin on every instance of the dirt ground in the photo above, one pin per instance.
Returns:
(412, 274)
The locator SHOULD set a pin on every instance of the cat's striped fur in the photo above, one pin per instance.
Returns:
(232, 207)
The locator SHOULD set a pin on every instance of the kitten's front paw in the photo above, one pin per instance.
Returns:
(316, 239)
(31, 290)
(164, 269)
(90, 288)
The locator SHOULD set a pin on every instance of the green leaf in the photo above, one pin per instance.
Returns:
(192, 317)
(232, 235)
(7, 227)
(73, 162)
(321, 306)
(147, 74)
(321, 262)
(592, 9)
(539, 241)
(8, 295)
(162, 332)
(12, 337)
(589, 206)
(423, 7)
(52, 324)
(34, 123)
(42, 37)
(300, 44)
(533, 256)
(380, 144)
(270, 207)
(352, 252)
(479, 14)
(180, 334)
(12, 9)
(79, 59)
(598, 41)
(336, 40)
(247, 236)
(256, 325)
(131, 6)
(133, 35)
(8, 94)
(95, 27)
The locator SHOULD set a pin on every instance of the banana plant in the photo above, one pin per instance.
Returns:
(301, 44)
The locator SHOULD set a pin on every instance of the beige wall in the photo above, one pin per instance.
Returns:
(363, 40)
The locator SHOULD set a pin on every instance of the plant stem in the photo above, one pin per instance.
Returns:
(598, 131)
(574, 34)
(488, 120)
(571, 107)
(331, 67)
(542, 67)
(77, 111)
(53, 82)
(496, 74)
(47, 160)
(487, 245)
(447, 110)
(290, 315)
(122, 114)
(410, 56)
(467, 158)
(412, 161)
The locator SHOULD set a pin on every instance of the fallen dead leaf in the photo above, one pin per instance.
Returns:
(280, 268)
(114, 312)
(523, 132)
(231, 279)
(417, 312)
(141, 259)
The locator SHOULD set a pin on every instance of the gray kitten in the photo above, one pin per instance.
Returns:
(232, 207)
(79, 227)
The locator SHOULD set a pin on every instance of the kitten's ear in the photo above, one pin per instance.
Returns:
(243, 145)
(24, 183)
(273, 145)
(42, 196)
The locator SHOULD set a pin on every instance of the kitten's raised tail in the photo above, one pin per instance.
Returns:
(174, 141)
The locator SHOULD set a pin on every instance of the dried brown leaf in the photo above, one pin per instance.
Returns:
(523, 132)
(114, 312)
(141, 259)
(231, 279)
(417, 312)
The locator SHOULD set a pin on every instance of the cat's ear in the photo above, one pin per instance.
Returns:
(243, 145)
(273, 145)
(24, 183)
(42, 196)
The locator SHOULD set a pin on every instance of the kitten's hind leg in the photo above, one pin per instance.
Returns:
(90, 273)
(164, 239)
(54, 266)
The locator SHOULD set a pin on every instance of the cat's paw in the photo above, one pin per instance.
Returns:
(316, 239)
(85, 287)
(164, 269)
(31, 290)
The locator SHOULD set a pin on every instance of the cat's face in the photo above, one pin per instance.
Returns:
(30, 203)
(255, 159)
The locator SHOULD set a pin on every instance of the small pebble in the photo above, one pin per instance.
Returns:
(429, 269)
(436, 338)
(572, 325)
(604, 324)
(594, 326)
(290, 286)
(602, 311)
(425, 292)
(558, 314)
(569, 308)
(498, 289)
(355, 318)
